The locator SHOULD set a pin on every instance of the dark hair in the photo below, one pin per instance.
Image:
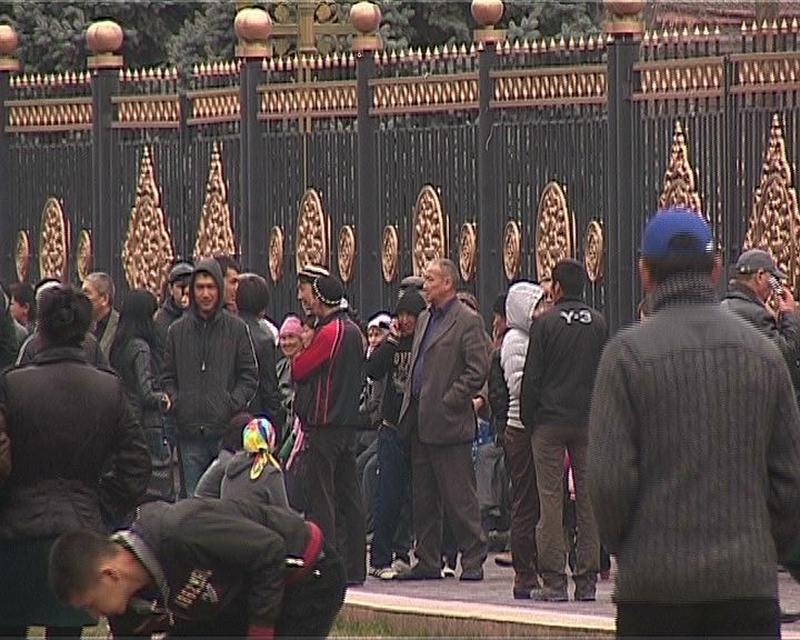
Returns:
(570, 276)
(664, 268)
(65, 314)
(252, 294)
(226, 262)
(685, 259)
(74, 559)
(135, 321)
(22, 292)
(232, 438)
(499, 305)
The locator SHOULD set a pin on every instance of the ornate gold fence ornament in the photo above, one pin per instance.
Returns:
(512, 249)
(311, 243)
(775, 222)
(22, 258)
(147, 254)
(215, 235)
(555, 230)
(678, 188)
(429, 239)
(84, 254)
(593, 251)
(53, 241)
(276, 254)
(347, 253)
(467, 250)
(390, 248)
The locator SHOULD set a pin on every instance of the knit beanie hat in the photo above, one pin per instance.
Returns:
(291, 327)
(329, 290)
(410, 302)
(311, 272)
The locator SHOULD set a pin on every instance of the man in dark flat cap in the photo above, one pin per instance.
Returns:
(330, 375)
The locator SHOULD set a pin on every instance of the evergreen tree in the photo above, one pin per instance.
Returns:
(53, 34)
(207, 35)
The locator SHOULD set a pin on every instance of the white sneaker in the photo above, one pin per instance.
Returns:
(383, 573)
(400, 566)
(447, 572)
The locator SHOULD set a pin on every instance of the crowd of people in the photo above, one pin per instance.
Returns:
(194, 468)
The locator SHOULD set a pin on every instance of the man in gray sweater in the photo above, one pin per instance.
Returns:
(694, 452)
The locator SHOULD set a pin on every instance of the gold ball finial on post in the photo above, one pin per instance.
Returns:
(487, 14)
(9, 41)
(365, 17)
(104, 39)
(253, 27)
(624, 17)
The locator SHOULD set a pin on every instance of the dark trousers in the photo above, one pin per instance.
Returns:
(754, 618)
(524, 505)
(392, 495)
(443, 481)
(331, 486)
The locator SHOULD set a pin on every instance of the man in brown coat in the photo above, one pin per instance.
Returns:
(449, 365)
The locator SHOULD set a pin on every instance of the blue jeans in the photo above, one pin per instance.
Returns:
(392, 495)
(196, 453)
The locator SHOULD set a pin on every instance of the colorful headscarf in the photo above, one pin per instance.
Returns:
(260, 439)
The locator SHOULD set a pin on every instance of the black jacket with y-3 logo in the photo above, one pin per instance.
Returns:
(215, 558)
(563, 354)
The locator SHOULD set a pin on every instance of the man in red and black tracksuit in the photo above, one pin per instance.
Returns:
(204, 568)
(329, 375)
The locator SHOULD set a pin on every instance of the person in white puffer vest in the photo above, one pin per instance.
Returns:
(524, 302)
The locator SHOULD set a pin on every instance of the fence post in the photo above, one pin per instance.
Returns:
(366, 18)
(8, 218)
(103, 39)
(252, 26)
(621, 255)
(487, 13)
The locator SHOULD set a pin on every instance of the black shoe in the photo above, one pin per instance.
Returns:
(417, 574)
(472, 575)
(549, 594)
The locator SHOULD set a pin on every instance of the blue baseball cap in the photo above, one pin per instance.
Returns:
(676, 232)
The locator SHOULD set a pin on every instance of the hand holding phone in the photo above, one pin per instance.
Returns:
(776, 285)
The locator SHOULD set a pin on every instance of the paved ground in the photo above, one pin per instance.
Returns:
(492, 599)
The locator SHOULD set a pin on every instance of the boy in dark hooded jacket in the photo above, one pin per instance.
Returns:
(210, 372)
(204, 568)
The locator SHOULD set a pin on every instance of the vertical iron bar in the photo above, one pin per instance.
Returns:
(105, 229)
(252, 223)
(369, 221)
(621, 255)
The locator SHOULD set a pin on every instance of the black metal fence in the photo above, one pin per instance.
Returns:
(523, 154)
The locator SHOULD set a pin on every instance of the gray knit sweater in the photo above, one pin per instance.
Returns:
(694, 453)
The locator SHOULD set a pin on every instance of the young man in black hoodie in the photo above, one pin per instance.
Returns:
(210, 372)
(391, 360)
(204, 568)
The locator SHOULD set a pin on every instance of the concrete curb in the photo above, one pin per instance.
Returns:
(457, 609)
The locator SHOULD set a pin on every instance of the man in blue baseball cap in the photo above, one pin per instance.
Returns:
(694, 452)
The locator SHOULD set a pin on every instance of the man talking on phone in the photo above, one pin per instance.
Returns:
(757, 280)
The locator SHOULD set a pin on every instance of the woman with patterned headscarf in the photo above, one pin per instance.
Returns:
(246, 468)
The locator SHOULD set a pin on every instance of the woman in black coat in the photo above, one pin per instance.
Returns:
(134, 356)
(76, 453)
